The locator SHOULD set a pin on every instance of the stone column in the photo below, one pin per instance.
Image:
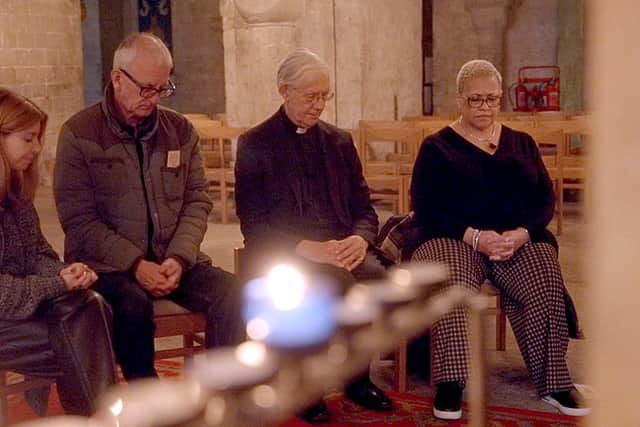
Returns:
(611, 262)
(257, 34)
(489, 19)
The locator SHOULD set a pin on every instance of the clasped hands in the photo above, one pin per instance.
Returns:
(501, 247)
(78, 276)
(347, 253)
(159, 279)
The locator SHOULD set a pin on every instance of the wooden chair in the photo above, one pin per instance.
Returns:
(432, 126)
(217, 152)
(573, 161)
(487, 288)
(197, 116)
(171, 320)
(388, 176)
(551, 144)
(441, 117)
(12, 383)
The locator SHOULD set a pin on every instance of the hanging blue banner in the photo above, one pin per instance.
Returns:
(154, 16)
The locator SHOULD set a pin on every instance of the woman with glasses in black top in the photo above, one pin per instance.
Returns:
(483, 199)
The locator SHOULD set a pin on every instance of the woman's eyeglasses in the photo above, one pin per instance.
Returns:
(476, 101)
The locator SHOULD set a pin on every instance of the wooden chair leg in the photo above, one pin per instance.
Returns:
(188, 340)
(559, 205)
(4, 406)
(401, 367)
(501, 326)
(223, 200)
(431, 383)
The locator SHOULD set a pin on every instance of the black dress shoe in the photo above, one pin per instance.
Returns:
(368, 395)
(316, 413)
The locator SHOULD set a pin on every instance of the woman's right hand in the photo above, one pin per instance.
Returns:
(495, 246)
(78, 276)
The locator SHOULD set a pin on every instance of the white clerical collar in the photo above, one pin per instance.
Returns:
(301, 131)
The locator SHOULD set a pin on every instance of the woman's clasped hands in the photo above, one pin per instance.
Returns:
(78, 276)
(501, 247)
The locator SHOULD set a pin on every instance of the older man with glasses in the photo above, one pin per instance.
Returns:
(131, 196)
(301, 197)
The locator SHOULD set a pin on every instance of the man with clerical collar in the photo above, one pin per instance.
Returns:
(301, 197)
(132, 198)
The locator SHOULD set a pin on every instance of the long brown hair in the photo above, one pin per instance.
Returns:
(18, 113)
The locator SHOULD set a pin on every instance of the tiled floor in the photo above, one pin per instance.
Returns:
(508, 382)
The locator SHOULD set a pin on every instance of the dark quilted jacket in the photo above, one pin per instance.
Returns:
(101, 199)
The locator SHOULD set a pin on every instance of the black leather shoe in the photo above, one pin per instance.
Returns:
(368, 395)
(316, 414)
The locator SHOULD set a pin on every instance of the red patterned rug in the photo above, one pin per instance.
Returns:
(410, 411)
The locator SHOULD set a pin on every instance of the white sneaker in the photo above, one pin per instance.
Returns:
(447, 404)
(568, 402)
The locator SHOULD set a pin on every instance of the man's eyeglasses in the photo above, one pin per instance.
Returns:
(476, 101)
(150, 91)
(312, 98)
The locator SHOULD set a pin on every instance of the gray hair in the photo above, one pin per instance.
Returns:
(138, 42)
(293, 68)
(476, 68)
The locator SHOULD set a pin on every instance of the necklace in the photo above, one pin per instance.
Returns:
(488, 141)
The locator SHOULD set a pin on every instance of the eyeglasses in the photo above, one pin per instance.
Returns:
(476, 101)
(150, 91)
(312, 98)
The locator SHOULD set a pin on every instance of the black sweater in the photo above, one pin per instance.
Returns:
(457, 185)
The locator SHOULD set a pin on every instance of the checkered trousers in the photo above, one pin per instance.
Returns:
(532, 289)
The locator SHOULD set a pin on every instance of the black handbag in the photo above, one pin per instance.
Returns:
(399, 237)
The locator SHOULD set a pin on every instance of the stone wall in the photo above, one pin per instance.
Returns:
(531, 39)
(41, 58)
(197, 50)
(373, 48)
(91, 51)
(198, 56)
(529, 36)
(454, 43)
(571, 54)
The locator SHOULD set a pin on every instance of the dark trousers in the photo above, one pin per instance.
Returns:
(370, 269)
(69, 338)
(203, 288)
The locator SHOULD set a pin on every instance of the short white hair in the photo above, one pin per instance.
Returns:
(137, 42)
(476, 68)
(297, 65)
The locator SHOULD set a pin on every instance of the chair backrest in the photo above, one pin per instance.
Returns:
(515, 115)
(430, 127)
(551, 145)
(440, 117)
(217, 143)
(197, 116)
(398, 141)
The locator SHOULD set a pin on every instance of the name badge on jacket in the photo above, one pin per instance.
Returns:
(173, 158)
